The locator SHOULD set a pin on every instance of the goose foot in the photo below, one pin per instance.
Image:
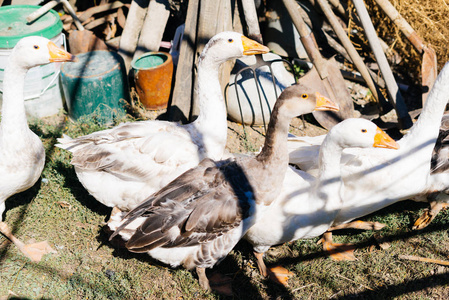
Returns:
(33, 251)
(276, 274)
(429, 214)
(362, 225)
(279, 275)
(217, 282)
(338, 252)
(221, 284)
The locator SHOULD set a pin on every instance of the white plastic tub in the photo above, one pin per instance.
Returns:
(42, 92)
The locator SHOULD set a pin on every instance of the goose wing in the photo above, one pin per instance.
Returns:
(200, 205)
(134, 151)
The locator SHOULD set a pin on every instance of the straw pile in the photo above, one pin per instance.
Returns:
(427, 17)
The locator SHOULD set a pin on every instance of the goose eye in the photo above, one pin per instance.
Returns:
(230, 40)
(36, 47)
(304, 96)
(363, 130)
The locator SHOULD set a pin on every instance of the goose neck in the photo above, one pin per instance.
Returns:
(13, 106)
(211, 123)
(208, 88)
(428, 124)
(329, 178)
(274, 151)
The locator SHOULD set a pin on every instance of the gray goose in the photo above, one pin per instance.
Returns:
(201, 215)
(307, 206)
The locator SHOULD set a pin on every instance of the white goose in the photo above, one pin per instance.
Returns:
(22, 155)
(199, 217)
(307, 206)
(376, 178)
(122, 166)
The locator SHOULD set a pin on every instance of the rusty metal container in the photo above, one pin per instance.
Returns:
(153, 72)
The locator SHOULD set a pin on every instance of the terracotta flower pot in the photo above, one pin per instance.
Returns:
(153, 73)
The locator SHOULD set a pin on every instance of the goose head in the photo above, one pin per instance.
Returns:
(33, 51)
(299, 99)
(356, 132)
(228, 45)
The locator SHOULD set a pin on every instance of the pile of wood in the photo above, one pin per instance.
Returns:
(135, 27)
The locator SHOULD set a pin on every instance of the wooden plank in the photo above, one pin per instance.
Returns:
(153, 27)
(130, 35)
(227, 25)
(179, 109)
(209, 24)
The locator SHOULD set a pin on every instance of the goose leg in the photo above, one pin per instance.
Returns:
(359, 225)
(117, 241)
(217, 282)
(261, 264)
(202, 278)
(33, 251)
(276, 274)
(337, 252)
(429, 214)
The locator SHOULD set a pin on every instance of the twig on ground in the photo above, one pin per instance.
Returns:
(303, 287)
(365, 286)
(424, 259)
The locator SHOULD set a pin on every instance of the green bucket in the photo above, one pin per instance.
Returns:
(95, 86)
(13, 24)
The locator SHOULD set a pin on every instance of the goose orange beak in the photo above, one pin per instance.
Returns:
(383, 140)
(251, 47)
(59, 55)
(324, 103)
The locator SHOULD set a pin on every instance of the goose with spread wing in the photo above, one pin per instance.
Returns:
(121, 166)
(199, 217)
(376, 178)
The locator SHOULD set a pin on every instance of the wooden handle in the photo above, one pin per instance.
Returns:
(306, 38)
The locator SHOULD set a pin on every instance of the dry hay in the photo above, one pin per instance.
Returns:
(427, 18)
(430, 21)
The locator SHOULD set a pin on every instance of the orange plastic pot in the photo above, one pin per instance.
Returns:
(153, 72)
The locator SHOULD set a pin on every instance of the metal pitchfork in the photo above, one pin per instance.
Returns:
(260, 63)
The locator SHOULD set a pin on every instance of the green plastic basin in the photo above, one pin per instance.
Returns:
(14, 26)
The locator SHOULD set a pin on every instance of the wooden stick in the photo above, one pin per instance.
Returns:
(396, 99)
(352, 52)
(424, 259)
